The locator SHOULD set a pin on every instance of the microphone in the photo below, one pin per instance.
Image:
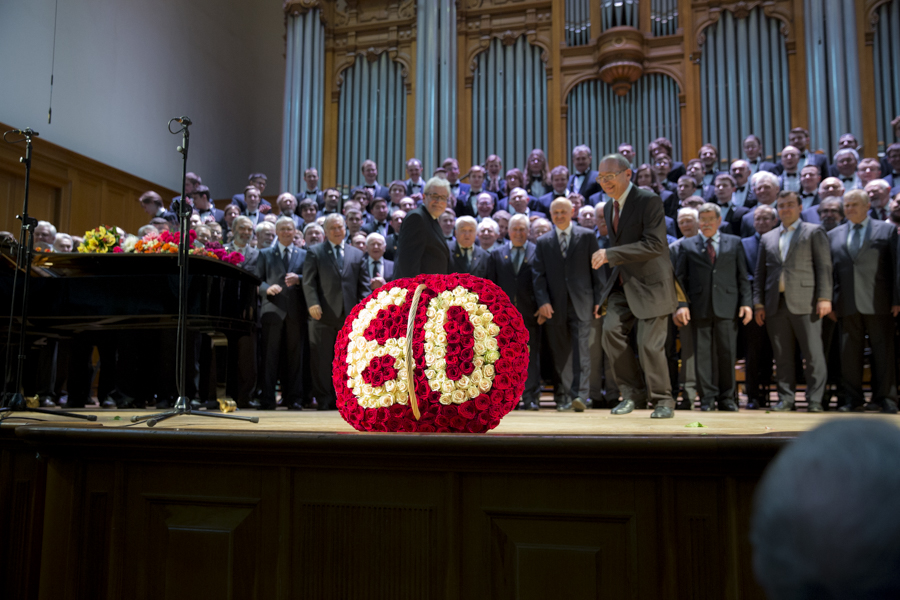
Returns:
(28, 131)
(183, 120)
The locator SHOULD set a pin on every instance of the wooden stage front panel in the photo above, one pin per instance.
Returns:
(547, 506)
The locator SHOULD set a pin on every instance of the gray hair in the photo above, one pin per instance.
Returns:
(519, 218)
(489, 222)
(285, 220)
(331, 218)
(312, 226)
(761, 176)
(581, 148)
(466, 220)
(808, 539)
(880, 183)
(692, 212)
(47, 224)
(843, 151)
(265, 225)
(620, 160)
(146, 229)
(375, 236)
(240, 220)
(769, 209)
(709, 207)
(437, 182)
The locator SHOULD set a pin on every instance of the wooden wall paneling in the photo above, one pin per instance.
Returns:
(865, 40)
(795, 43)
(596, 21)
(463, 99)
(330, 130)
(692, 111)
(411, 110)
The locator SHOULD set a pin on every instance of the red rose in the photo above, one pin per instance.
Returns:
(453, 372)
(449, 411)
(467, 367)
(468, 410)
(475, 427)
(441, 421)
(458, 423)
(426, 428)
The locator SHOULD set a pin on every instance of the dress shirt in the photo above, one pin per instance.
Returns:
(708, 177)
(804, 157)
(254, 217)
(373, 269)
(784, 244)
(715, 241)
(790, 181)
(754, 165)
(622, 199)
(417, 186)
(806, 199)
(311, 194)
(568, 232)
(579, 181)
(739, 196)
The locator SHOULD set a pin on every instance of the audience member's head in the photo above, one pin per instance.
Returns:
(765, 186)
(259, 181)
(831, 212)
(476, 177)
(740, 170)
(688, 222)
(216, 231)
(725, 186)
(514, 178)
(397, 220)
(765, 218)
(845, 161)
(586, 217)
(243, 231)
(752, 147)
(308, 210)
(790, 159)
(252, 197)
(265, 234)
(335, 228)
(313, 234)
(518, 230)
(200, 196)
(379, 209)
(788, 206)
(147, 230)
(687, 186)
(848, 140)
(799, 139)
(447, 221)
(63, 243)
(151, 202)
(868, 170)
(692, 202)
(466, 231)
(375, 246)
(407, 204)
(561, 213)
(879, 192)
(44, 232)
(502, 218)
(539, 227)
(831, 187)
(709, 156)
(625, 149)
(160, 224)
(810, 176)
(287, 204)
(358, 241)
(204, 234)
(484, 205)
(559, 178)
(824, 521)
(600, 219)
(488, 233)
(311, 177)
(414, 169)
(332, 200)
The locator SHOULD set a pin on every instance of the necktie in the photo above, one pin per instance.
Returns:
(616, 216)
(710, 250)
(467, 252)
(563, 243)
(286, 259)
(517, 259)
(377, 268)
(855, 240)
(339, 257)
(742, 188)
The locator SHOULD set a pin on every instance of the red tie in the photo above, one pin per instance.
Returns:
(711, 251)
(616, 216)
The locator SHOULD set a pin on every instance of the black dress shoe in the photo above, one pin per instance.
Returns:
(623, 408)
(814, 407)
(578, 405)
(662, 412)
(889, 407)
(707, 407)
(784, 406)
(266, 406)
(196, 404)
(295, 406)
(728, 406)
(520, 405)
(848, 408)
(108, 403)
(684, 404)
(564, 405)
(47, 402)
(752, 405)
(533, 405)
(253, 404)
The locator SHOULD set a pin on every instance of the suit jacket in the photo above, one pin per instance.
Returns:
(464, 204)
(478, 264)
(677, 171)
(270, 269)
(806, 268)
(762, 165)
(251, 256)
(639, 253)
(670, 203)
(747, 228)
(387, 267)
(336, 290)
(409, 187)
(390, 246)
(733, 215)
(811, 215)
(422, 247)
(372, 227)
(379, 190)
(546, 200)
(502, 191)
(319, 197)
(238, 200)
(589, 185)
(558, 279)
(519, 287)
(671, 228)
(597, 198)
(751, 253)
(714, 289)
(461, 192)
(812, 158)
(867, 284)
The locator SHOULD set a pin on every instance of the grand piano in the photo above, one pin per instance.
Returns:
(130, 301)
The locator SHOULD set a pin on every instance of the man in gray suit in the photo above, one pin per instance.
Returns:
(243, 231)
(334, 280)
(641, 291)
(866, 300)
(283, 317)
(792, 291)
(510, 267)
(422, 247)
(712, 270)
(568, 297)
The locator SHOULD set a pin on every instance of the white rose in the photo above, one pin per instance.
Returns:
(430, 313)
(487, 317)
(389, 385)
(402, 374)
(428, 347)
(459, 291)
(430, 374)
(394, 351)
(479, 333)
(440, 339)
(445, 399)
(488, 371)
(473, 391)
(475, 377)
(435, 385)
(429, 335)
(352, 372)
(385, 400)
(493, 330)
(484, 385)
(440, 364)
(470, 307)
(447, 386)
(478, 348)
(429, 359)
(490, 344)
(459, 397)
(462, 382)
(401, 387)
(478, 362)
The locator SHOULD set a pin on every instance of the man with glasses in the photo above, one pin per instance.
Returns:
(421, 247)
(642, 293)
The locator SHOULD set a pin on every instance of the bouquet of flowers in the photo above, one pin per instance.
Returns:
(463, 369)
(167, 243)
(100, 241)
(216, 250)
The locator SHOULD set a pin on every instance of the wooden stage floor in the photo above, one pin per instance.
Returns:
(593, 422)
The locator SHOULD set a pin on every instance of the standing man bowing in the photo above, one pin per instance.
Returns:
(567, 292)
(792, 291)
(334, 280)
(642, 292)
(712, 270)
(283, 317)
(422, 247)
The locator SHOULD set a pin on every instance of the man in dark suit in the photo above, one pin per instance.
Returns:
(792, 291)
(559, 179)
(283, 317)
(890, 167)
(753, 152)
(709, 157)
(799, 139)
(758, 348)
(414, 182)
(642, 292)
(202, 205)
(468, 205)
(257, 180)
(765, 187)
(879, 192)
(604, 391)
(334, 280)
(242, 228)
(370, 176)
(866, 300)
(520, 204)
(510, 266)
(312, 191)
(809, 186)
(379, 269)
(725, 186)
(712, 270)
(380, 223)
(457, 188)
(568, 297)
(422, 247)
(584, 180)
(393, 238)
(743, 193)
(466, 256)
(287, 207)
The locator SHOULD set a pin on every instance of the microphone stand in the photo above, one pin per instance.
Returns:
(184, 210)
(14, 401)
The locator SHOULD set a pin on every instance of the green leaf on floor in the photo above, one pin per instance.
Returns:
(117, 418)
(695, 424)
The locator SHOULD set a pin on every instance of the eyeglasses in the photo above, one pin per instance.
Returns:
(438, 197)
(606, 178)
